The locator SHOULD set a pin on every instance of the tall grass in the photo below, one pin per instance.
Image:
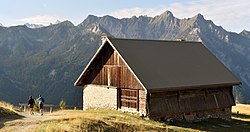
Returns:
(7, 109)
(7, 105)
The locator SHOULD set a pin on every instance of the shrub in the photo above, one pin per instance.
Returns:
(62, 104)
(36, 108)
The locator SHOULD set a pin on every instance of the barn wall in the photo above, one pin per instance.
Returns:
(187, 102)
(97, 96)
(112, 71)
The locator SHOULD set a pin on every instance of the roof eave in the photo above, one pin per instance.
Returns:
(152, 90)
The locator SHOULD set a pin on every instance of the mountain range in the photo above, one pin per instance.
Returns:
(47, 60)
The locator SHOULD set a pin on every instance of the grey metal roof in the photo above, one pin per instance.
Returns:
(169, 64)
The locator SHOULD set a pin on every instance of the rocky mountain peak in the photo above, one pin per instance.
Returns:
(57, 22)
(245, 30)
(89, 20)
(165, 19)
(108, 17)
(199, 16)
(198, 19)
(66, 23)
(91, 17)
(245, 33)
(167, 14)
(1, 25)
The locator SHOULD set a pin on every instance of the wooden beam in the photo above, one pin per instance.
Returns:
(138, 100)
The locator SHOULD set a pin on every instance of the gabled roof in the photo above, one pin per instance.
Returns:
(171, 64)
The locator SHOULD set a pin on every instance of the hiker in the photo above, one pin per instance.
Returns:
(40, 101)
(31, 104)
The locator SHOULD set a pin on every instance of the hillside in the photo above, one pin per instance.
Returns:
(6, 110)
(47, 60)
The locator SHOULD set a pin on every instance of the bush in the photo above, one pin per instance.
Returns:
(36, 108)
(62, 104)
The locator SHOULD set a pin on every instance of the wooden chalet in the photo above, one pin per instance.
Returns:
(158, 79)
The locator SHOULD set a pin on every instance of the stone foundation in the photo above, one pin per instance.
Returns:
(223, 113)
(97, 96)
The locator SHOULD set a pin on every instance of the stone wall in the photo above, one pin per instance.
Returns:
(98, 96)
(143, 102)
(223, 113)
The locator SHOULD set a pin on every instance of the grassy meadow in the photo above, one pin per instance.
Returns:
(104, 120)
(116, 121)
(112, 120)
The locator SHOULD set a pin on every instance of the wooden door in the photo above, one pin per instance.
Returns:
(128, 98)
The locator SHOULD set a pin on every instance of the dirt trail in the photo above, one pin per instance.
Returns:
(28, 122)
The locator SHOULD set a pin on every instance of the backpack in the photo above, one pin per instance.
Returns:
(40, 100)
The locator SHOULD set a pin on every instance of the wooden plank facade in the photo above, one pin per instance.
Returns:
(190, 101)
(110, 70)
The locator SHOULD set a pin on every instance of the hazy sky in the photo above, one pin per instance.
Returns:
(233, 15)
